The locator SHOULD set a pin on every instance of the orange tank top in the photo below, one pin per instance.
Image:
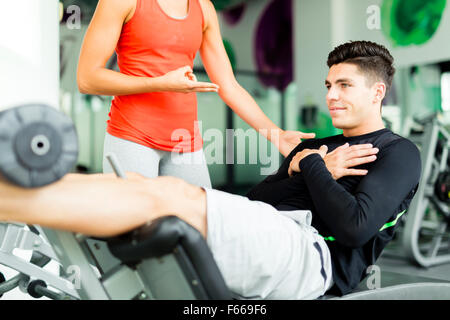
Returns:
(151, 44)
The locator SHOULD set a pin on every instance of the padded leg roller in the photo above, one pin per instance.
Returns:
(171, 235)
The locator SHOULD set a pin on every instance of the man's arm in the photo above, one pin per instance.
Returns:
(354, 218)
(287, 183)
(279, 185)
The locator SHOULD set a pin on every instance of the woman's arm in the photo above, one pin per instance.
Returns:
(218, 67)
(99, 43)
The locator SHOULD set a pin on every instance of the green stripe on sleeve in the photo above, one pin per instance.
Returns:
(386, 225)
(394, 222)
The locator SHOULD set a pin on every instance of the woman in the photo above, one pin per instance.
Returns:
(155, 91)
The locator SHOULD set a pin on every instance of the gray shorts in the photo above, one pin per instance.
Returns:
(264, 253)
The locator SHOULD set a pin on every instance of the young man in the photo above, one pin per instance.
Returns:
(355, 199)
(356, 185)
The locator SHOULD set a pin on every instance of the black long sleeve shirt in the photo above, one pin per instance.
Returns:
(356, 215)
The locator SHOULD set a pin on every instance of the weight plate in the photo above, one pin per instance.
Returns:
(38, 145)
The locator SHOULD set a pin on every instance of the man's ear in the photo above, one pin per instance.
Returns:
(379, 89)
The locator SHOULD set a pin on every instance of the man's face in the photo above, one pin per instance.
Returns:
(350, 100)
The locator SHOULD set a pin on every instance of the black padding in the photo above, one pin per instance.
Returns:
(160, 238)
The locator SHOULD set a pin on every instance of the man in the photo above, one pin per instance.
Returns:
(356, 185)
(355, 199)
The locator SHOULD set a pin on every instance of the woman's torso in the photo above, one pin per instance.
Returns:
(152, 43)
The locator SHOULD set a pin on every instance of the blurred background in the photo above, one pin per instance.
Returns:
(278, 50)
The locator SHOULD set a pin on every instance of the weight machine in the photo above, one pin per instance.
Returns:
(426, 236)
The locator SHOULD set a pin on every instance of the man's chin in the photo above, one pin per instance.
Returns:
(337, 124)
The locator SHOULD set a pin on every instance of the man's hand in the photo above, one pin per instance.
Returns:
(294, 165)
(340, 161)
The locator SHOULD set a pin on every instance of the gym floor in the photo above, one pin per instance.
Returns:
(396, 269)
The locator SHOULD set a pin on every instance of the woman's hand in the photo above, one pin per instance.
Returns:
(184, 80)
(290, 139)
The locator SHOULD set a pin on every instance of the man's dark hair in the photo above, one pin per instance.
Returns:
(372, 59)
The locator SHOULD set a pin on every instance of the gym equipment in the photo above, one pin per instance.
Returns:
(412, 291)
(273, 44)
(442, 186)
(233, 15)
(38, 145)
(220, 5)
(426, 227)
(165, 259)
(408, 22)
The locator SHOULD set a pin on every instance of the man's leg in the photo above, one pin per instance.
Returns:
(103, 205)
(176, 197)
(260, 252)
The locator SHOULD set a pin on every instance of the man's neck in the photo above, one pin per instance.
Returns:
(364, 129)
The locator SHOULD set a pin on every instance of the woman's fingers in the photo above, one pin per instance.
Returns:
(203, 86)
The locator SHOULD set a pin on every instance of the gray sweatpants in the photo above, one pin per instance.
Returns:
(134, 157)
